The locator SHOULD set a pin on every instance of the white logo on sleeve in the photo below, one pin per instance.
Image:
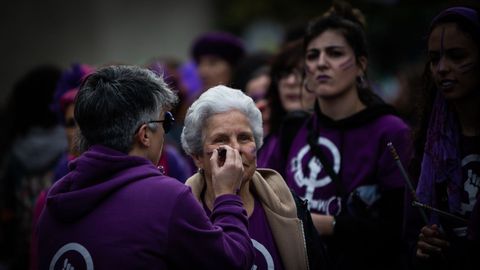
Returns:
(472, 184)
(63, 258)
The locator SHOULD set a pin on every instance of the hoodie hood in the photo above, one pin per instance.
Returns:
(93, 177)
(364, 116)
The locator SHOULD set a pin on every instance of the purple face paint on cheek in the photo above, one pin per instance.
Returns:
(467, 67)
(347, 64)
(251, 150)
(442, 50)
(442, 42)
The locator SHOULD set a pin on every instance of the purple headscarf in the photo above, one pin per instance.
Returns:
(441, 158)
(467, 14)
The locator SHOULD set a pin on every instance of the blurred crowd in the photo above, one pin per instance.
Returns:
(355, 158)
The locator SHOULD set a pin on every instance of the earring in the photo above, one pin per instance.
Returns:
(362, 82)
(200, 171)
(161, 169)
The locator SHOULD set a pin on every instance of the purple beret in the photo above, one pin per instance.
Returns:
(220, 44)
(70, 79)
(67, 99)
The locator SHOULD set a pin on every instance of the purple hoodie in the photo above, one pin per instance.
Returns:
(357, 149)
(367, 205)
(114, 211)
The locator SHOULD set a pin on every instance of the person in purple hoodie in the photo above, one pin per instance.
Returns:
(339, 160)
(115, 209)
(447, 146)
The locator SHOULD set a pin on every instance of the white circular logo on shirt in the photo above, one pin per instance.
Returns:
(314, 165)
(471, 184)
(75, 250)
(312, 181)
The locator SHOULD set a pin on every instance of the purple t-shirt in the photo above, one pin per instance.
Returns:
(268, 155)
(266, 252)
(359, 155)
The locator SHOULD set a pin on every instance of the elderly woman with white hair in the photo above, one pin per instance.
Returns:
(224, 124)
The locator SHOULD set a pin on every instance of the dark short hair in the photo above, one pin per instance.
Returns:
(113, 101)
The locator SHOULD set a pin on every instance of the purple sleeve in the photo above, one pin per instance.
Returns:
(195, 243)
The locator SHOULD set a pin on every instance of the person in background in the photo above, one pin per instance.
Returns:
(253, 77)
(280, 225)
(339, 160)
(447, 146)
(289, 104)
(32, 143)
(115, 209)
(63, 105)
(252, 74)
(173, 161)
(217, 55)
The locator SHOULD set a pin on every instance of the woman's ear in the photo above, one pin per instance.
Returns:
(198, 161)
(362, 63)
(143, 136)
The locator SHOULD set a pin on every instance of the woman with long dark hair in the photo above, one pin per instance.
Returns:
(339, 160)
(447, 144)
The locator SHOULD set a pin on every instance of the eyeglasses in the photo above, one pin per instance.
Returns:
(167, 122)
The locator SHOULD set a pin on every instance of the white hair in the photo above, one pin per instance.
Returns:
(218, 99)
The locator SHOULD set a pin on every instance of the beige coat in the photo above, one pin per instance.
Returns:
(281, 213)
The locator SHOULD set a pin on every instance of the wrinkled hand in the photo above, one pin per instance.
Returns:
(226, 177)
(430, 242)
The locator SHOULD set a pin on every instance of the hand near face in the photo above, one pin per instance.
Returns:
(430, 242)
(226, 177)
